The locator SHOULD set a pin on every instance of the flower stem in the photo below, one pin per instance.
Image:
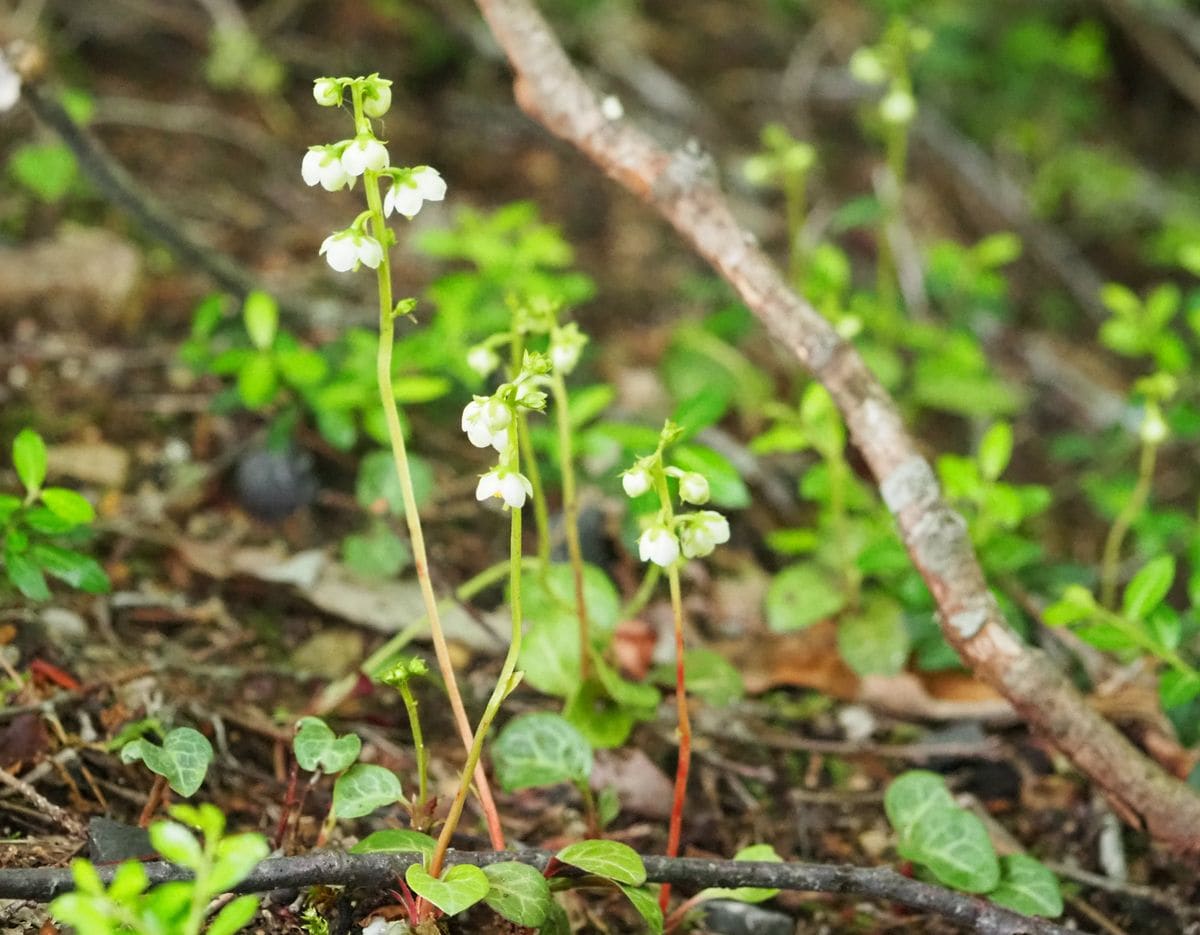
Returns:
(499, 693)
(1109, 566)
(414, 720)
(685, 733)
(541, 512)
(558, 387)
(642, 596)
(400, 456)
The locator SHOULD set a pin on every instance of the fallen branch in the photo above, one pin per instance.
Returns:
(679, 185)
(334, 868)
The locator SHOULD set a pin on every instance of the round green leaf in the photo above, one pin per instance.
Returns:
(261, 316)
(911, 795)
(645, 901)
(258, 381)
(540, 749)
(518, 892)
(317, 747)
(29, 458)
(801, 595)
(302, 367)
(235, 916)
(25, 575)
(874, 641)
(550, 654)
(460, 887)
(363, 788)
(73, 568)
(377, 553)
(237, 855)
(397, 840)
(954, 846)
(68, 505)
(552, 593)
(182, 759)
(609, 859)
(377, 482)
(177, 844)
(748, 894)
(1027, 886)
(707, 675)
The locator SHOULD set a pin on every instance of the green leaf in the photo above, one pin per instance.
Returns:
(553, 593)
(73, 568)
(128, 882)
(802, 595)
(177, 844)
(748, 894)
(1177, 688)
(603, 722)
(707, 675)
(874, 641)
(518, 892)
(1108, 637)
(540, 749)
(609, 859)
(261, 316)
(301, 367)
(317, 747)
(83, 913)
(46, 169)
(1148, 588)
(376, 554)
(68, 505)
(550, 654)
(995, 450)
(954, 846)
(420, 388)
(25, 575)
(363, 788)
(29, 458)
(556, 922)
(182, 759)
(645, 901)
(237, 856)
(235, 916)
(377, 484)
(460, 887)
(1028, 887)
(1077, 603)
(258, 381)
(398, 840)
(911, 796)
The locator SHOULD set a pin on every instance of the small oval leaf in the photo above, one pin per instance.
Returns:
(540, 749)
(518, 892)
(460, 887)
(609, 859)
(363, 788)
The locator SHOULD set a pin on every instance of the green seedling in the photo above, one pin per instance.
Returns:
(129, 905)
(181, 762)
(39, 527)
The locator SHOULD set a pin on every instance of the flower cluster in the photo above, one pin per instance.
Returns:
(490, 422)
(339, 165)
(692, 535)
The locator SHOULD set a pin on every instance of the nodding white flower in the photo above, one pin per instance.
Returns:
(898, 106)
(320, 165)
(702, 532)
(377, 98)
(510, 486)
(485, 420)
(482, 359)
(659, 545)
(10, 85)
(1154, 429)
(693, 488)
(363, 153)
(327, 92)
(636, 481)
(344, 249)
(407, 194)
(529, 396)
(566, 345)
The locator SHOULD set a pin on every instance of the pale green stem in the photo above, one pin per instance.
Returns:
(566, 461)
(1109, 566)
(644, 592)
(400, 456)
(499, 693)
(793, 199)
(414, 721)
(837, 508)
(896, 144)
(541, 512)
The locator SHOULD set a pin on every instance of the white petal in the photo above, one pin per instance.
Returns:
(693, 488)
(310, 166)
(354, 158)
(10, 86)
(370, 253)
(479, 435)
(404, 199)
(499, 440)
(340, 252)
(636, 482)
(333, 175)
(483, 360)
(513, 490)
(489, 486)
(430, 184)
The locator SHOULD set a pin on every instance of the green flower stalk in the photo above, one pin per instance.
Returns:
(365, 243)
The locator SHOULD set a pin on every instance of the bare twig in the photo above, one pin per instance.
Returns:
(678, 185)
(60, 815)
(338, 869)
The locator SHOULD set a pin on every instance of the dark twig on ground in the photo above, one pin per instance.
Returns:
(339, 869)
(679, 185)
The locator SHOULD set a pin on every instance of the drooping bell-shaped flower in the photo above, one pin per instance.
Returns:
(364, 153)
(693, 488)
(510, 486)
(659, 545)
(343, 250)
(702, 532)
(636, 481)
(327, 92)
(408, 193)
(482, 359)
(485, 420)
(321, 167)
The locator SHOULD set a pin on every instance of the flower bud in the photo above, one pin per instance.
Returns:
(1154, 429)
(693, 488)
(898, 106)
(327, 92)
(636, 481)
(482, 359)
(701, 532)
(659, 545)
(377, 98)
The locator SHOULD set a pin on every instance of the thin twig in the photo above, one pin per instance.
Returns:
(333, 868)
(60, 815)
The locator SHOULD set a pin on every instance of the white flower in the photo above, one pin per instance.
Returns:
(693, 488)
(482, 359)
(659, 545)
(1154, 429)
(702, 532)
(344, 249)
(424, 183)
(485, 420)
(322, 166)
(10, 85)
(363, 153)
(611, 108)
(636, 481)
(377, 98)
(510, 486)
(327, 92)
(566, 344)
(898, 106)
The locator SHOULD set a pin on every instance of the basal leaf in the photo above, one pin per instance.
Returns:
(459, 888)
(363, 788)
(518, 892)
(609, 859)
(1027, 886)
(540, 749)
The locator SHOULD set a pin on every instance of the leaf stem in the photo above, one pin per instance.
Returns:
(566, 458)
(1109, 567)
